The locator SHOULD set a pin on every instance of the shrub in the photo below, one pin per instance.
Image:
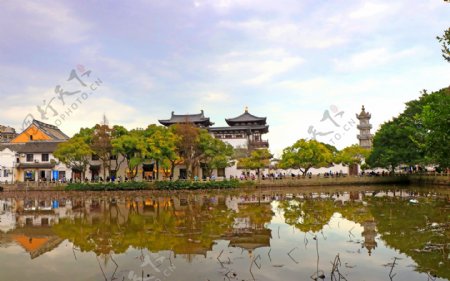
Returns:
(132, 185)
(194, 185)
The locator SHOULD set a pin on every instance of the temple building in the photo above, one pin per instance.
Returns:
(40, 131)
(7, 133)
(364, 137)
(198, 119)
(243, 131)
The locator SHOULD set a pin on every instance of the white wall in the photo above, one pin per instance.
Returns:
(7, 157)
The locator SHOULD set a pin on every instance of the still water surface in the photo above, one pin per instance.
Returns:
(372, 233)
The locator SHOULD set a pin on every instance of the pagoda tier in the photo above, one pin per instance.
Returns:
(246, 119)
(198, 119)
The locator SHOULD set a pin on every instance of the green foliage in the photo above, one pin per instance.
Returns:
(258, 159)
(435, 117)
(305, 154)
(351, 155)
(75, 153)
(111, 186)
(419, 135)
(445, 41)
(193, 185)
(216, 153)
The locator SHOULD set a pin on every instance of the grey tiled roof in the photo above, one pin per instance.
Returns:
(52, 131)
(192, 118)
(31, 147)
(246, 118)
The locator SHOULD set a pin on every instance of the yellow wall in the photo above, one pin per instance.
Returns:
(31, 131)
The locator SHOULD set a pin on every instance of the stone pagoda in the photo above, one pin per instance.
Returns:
(365, 137)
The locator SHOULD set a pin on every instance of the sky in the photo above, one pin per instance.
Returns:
(308, 66)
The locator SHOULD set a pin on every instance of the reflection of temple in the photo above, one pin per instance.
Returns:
(369, 235)
(249, 229)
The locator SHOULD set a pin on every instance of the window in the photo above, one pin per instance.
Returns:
(30, 158)
(95, 157)
(221, 172)
(228, 136)
(5, 173)
(31, 138)
(113, 157)
(44, 157)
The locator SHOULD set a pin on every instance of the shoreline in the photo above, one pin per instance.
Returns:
(420, 180)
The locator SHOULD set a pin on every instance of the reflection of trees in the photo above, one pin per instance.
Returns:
(190, 230)
(422, 231)
(308, 215)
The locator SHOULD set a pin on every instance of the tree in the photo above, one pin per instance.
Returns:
(306, 154)
(445, 41)
(75, 153)
(101, 145)
(352, 155)
(258, 159)
(117, 132)
(394, 144)
(418, 136)
(216, 153)
(435, 117)
(187, 145)
(133, 148)
(161, 145)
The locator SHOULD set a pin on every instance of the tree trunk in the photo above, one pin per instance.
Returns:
(157, 170)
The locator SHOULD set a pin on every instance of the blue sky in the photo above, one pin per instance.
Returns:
(287, 60)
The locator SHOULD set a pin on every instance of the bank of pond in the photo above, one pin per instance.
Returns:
(378, 232)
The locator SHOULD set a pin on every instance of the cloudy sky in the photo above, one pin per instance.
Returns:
(308, 66)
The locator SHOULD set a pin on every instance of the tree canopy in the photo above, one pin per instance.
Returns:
(305, 154)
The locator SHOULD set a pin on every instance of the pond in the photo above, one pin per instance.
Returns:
(342, 233)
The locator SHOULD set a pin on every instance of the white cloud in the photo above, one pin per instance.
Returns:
(53, 21)
(256, 68)
(373, 58)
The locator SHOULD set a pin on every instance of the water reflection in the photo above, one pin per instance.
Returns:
(265, 235)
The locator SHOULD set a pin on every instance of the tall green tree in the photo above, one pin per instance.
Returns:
(306, 154)
(161, 145)
(75, 154)
(101, 145)
(133, 148)
(188, 146)
(216, 153)
(258, 159)
(352, 155)
(418, 136)
(445, 41)
(435, 118)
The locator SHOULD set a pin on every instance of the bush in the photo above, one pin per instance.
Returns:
(194, 185)
(132, 185)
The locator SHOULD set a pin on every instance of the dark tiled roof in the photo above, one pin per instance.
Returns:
(31, 147)
(246, 118)
(191, 118)
(52, 131)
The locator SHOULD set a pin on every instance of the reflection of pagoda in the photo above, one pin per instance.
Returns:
(369, 235)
